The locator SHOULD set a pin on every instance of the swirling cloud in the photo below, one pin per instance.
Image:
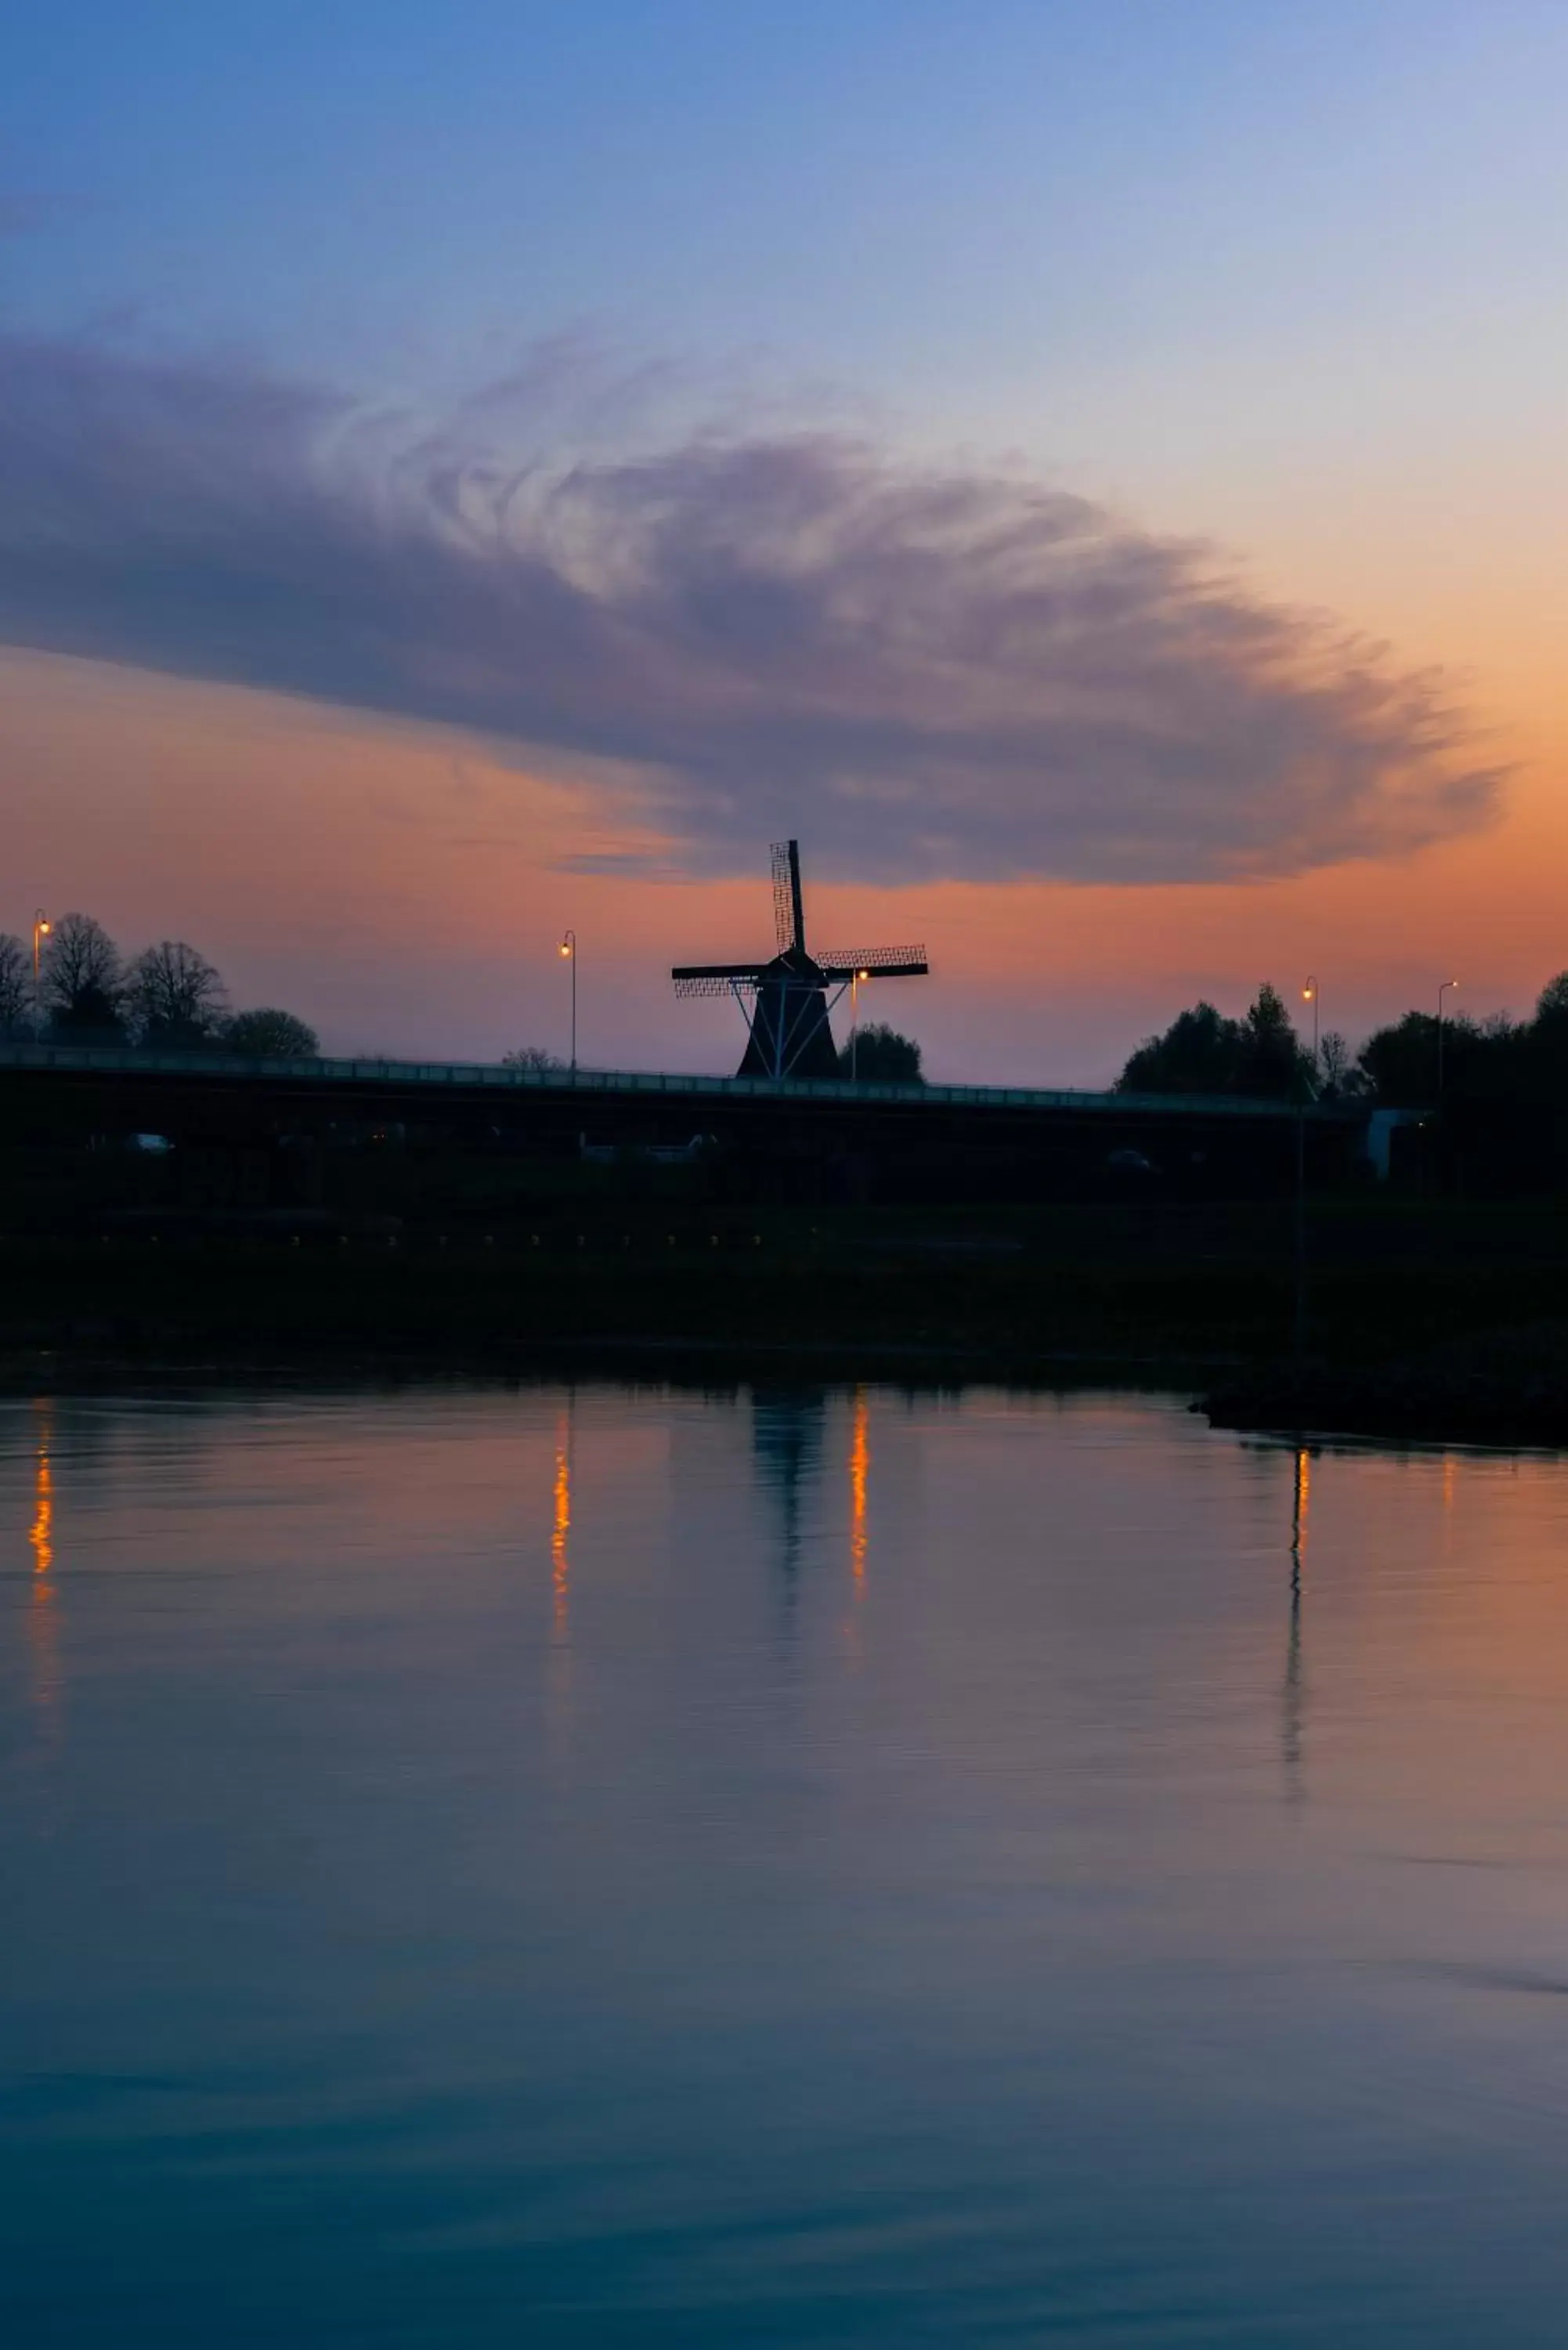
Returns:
(926, 672)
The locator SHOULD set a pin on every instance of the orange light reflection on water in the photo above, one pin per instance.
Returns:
(42, 1626)
(560, 1559)
(859, 1462)
(1290, 1738)
(41, 1534)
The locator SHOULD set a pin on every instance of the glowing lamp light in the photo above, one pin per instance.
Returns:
(568, 951)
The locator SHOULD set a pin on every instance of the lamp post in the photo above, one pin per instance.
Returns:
(42, 926)
(569, 954)
(1310, 993)
(855, 1022)
(1441, 992)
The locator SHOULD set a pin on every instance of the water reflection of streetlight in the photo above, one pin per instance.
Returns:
(558, 1650)
(859, 1462)
(561, 1527)
(41, 1538)
(41, 1534)
(1291, 1740)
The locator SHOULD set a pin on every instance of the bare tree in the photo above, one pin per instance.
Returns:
(79, 980)
(16, 987)
(268, 1035)
(1334, 1059)
(175, 997)
(531, 1056)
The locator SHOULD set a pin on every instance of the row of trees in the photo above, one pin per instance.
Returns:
(169, 998)
(1411, 1061)
(1202, 1052)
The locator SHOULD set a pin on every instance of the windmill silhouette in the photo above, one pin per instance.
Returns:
(785, 1001)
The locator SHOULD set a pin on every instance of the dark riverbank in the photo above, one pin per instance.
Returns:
(1412, 1325)
(1506, 1388)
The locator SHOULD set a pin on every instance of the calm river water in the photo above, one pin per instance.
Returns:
(596, 1866)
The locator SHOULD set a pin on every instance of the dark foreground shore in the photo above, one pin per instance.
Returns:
(1506, 1389)
(1435, 1323)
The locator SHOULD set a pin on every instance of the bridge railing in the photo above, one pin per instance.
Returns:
(492, 1077)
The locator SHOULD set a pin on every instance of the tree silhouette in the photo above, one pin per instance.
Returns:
(531, 1056)
(1199, 1053)
(81, 983)
(1202, 1052)
(16, 987)
(1497, 1059)
(881, 1056)
(175, 997)
(1337, 1063)
(267, 1034)
(1551, 1003)
(1272, 1063)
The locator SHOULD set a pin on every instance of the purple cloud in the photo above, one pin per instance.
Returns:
(924, 672)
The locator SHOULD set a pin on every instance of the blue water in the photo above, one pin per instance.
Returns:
(796, 1868)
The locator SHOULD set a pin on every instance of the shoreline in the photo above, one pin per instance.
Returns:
(1422, 1326)
(1458, 1397)
(692, 1362)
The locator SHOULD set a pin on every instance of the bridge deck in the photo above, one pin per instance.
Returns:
(480, 1076)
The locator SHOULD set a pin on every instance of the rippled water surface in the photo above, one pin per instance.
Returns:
(822, 1867)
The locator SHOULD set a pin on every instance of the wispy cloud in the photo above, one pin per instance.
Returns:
(929, 673)
(20, 215)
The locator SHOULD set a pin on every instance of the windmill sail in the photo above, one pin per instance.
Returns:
(785, 998)
(885, 963)
(786, 895)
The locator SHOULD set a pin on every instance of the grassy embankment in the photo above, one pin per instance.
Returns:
(1202, 1294)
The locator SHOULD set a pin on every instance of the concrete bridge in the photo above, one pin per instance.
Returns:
(893, 1141)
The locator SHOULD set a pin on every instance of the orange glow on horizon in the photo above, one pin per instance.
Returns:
(171, 809)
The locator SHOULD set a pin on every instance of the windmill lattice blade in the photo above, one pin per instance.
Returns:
(892, 962)
(783, 897)
(708, 982)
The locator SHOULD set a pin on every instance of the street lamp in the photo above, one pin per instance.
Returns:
(42, 926)
(569, 954)
(854, 1021)
(1309, 995)
(1441, 992)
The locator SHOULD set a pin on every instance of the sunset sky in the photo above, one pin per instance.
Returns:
(1096, 471)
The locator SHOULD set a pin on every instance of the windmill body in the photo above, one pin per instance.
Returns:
(787, 1000)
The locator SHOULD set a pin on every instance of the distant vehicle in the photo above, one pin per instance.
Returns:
(1129, 1162)
(659, 1154)
(156, 1144)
